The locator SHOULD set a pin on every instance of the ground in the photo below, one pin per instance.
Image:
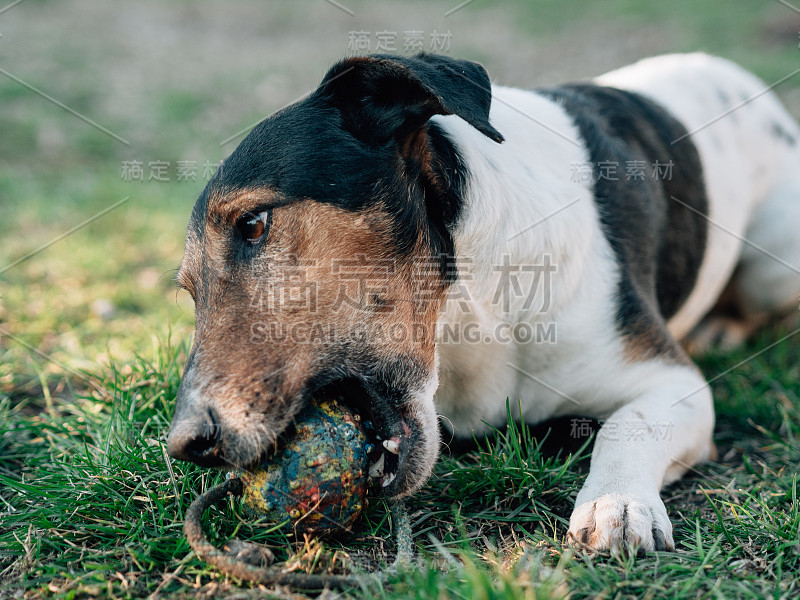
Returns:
(93, 333)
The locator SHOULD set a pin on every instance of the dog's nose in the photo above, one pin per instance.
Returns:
(198, 439)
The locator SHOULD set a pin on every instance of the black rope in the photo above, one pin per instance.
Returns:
(232, 563)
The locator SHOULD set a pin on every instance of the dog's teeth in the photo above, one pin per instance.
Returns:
(388, 479)
(392, 445)
(376, 469)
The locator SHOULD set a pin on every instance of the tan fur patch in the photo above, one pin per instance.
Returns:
(228, 207)
(360, 280)
(325, 290)
(650, 340)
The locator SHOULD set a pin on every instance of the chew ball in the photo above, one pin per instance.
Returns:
(316, 481)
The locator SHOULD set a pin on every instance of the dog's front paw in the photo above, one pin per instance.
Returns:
(614, 521)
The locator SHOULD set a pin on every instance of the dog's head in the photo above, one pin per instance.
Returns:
(318, 257)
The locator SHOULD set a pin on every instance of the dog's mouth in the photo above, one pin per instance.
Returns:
(391, 432)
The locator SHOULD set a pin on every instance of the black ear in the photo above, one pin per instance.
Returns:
(384, 97)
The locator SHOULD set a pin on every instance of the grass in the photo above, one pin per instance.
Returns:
(91, 507)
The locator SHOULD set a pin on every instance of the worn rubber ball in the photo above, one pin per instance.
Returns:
(316, 480)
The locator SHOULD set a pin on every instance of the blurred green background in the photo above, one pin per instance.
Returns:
(167, 86)
(175, 79)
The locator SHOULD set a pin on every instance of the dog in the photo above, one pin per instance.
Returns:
(409, 197)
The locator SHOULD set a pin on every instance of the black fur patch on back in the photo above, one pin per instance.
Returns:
(659, 242)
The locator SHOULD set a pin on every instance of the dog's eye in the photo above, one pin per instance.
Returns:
(253, 227)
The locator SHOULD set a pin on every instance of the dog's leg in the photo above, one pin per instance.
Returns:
(766, 283)
(647, 443)
(726, 327)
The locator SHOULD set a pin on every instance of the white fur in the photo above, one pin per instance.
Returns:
(519, 183)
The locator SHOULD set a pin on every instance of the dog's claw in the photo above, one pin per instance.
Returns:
(621, 523)
(663, 541)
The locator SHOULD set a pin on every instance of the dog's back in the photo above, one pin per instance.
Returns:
(749, 147)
